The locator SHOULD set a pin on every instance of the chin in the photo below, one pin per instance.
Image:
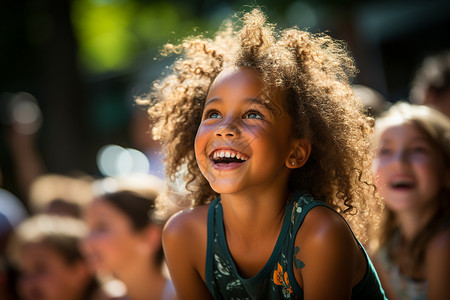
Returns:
(220, 189)
(223, 187)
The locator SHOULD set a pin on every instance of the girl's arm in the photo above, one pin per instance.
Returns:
(438, 266)
(331, 260)
(184, 242)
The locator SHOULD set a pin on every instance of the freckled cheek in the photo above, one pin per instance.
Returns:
(256, 131)
(202, 138)
(199, 147)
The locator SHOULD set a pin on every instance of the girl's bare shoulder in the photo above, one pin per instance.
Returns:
(327, 252)
(191, 222)
(185, 246)
(324, 225)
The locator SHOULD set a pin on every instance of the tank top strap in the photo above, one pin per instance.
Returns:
(302, 203)
(211, 224)
(368, 288)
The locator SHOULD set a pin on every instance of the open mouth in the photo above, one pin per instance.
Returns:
(402, 184)
(228, 157)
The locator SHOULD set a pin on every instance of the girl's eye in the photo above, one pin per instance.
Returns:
(253, 115)
(100, 227)
(384, 152)
(214, 116)
(419, 150)
(211, 114)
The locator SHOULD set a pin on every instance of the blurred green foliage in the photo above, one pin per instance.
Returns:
(113, 35)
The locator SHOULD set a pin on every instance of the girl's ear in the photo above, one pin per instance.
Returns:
(301, 149)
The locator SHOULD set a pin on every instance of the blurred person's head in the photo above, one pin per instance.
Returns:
(415, 140)
(45, 250)
(412, 169)
(60, 194)
(125, 231)
(431, 84)
(374, 103)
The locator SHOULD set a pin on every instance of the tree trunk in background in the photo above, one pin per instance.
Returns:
(63, 92)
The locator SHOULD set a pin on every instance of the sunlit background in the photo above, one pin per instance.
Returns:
(70, 70)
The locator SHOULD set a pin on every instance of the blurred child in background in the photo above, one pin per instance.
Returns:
(45, 250)
(125, 239)
(412, 167)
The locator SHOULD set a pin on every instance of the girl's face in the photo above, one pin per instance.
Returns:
(45, 275)
(243, 140)
(111, 243)
(409, 170)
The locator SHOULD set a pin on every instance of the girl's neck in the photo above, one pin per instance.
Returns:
(143, 282)
(255, 211)
(412, 222)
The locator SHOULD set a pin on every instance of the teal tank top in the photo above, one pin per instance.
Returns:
(276, 279)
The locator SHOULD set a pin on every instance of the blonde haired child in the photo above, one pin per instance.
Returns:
(412, 165)
(274, 143)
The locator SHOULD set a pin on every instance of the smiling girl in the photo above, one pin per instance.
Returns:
(274, 143)
(412, 165)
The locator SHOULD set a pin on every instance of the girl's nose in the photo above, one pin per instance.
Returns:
(227, 129)
(401, 156)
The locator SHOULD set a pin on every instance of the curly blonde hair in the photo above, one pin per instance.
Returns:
(313, 70)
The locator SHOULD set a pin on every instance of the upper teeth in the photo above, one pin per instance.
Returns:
(228, 154)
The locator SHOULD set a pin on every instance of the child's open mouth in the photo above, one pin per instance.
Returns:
(402, 184)
(221, 157)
